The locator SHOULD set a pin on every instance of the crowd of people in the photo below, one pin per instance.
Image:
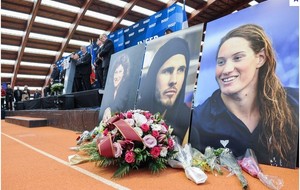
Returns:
(84, 67)
(10, 97)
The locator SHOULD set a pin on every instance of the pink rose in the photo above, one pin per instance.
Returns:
(155, 134)
(130, 157)
(145, 127)
(164, 128)
(171, 143)
(155, 152)
(150, 141)
(129, 115)
(147, 115)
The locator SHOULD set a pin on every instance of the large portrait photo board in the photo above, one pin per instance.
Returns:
(168, 77)
(247, 94)
(122, 81)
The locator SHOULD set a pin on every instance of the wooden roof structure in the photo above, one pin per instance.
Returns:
(22, 32)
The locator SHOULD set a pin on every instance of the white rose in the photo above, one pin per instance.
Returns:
(139, 119)
(130, 122)
(163, 151)
(156, 127)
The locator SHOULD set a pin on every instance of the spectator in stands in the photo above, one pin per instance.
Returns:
(98, 65)
(9, 97)
(26, 93)
(3, 95)
(36, 94)
(83, 71)
(55, 73)
(105, 53)
(18, 95)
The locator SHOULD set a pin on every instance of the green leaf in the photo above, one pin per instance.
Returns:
(122, 171)
(157, 166)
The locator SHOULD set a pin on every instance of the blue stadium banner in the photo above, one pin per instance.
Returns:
(150, 28)
(173, 17)
(118, 38)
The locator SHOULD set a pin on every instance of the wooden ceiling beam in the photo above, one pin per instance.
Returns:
(116, 22)
(171, 2)
(72, 28)
(71, 31)
(30, 22)
(200, 9)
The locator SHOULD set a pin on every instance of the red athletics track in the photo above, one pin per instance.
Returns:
(37, 158)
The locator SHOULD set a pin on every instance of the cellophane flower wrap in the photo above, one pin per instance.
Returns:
(184, 159)
(228, 160)
(131, 140)
(249, 164)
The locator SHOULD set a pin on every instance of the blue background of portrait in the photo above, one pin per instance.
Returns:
(281, 23)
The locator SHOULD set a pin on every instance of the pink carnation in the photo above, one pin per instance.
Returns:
(145, 127)
(155, 152)
(130, 157)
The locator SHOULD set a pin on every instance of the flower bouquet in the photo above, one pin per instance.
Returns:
(57, 87)
(228, 160)
(132, 140)
(184, 159)
(249, 164)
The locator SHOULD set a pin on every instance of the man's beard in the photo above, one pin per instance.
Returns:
(167, 103)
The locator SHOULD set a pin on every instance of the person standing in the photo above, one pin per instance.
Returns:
(105, 53)
(98, 65)
(36, 94)
(55, 73)
(3, 95)
(84, 70)
(9, 98)
(18, 94)
(26, 93)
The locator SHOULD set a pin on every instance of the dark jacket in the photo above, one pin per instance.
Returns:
(213, 125)
(98, 61)
(36, 95)
(9, 94)
(55, 74)
(18, 95)
(106, 51)
(177, 115)
(83, 65)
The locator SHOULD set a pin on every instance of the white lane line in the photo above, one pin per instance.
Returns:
(90, 174)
